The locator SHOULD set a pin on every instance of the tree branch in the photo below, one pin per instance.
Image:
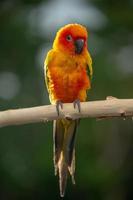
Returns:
(111, 107)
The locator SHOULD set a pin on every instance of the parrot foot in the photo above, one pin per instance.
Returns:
(77, 103)
(59, 105)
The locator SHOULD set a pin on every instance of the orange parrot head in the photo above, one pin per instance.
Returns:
(71, 39)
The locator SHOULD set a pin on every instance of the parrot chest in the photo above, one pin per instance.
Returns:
(68, 81)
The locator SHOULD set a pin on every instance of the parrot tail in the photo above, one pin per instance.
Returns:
(64, 132)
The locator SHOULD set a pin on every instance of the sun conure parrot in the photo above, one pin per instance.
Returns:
(66, 74)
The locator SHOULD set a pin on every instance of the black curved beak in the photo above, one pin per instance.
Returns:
(79, 44)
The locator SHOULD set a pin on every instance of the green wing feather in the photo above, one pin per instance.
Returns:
(46, 67)
(89, 64)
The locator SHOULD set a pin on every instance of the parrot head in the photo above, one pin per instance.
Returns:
(71, 39)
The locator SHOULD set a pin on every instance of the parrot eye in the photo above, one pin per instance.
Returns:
(69, 38)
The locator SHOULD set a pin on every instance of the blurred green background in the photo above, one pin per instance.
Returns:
(104, 149)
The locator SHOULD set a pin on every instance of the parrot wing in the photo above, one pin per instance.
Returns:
(89, 64)
(46, 67)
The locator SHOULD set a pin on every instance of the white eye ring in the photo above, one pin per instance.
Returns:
(69, 38)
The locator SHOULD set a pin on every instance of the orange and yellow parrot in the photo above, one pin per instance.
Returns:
(67, 81)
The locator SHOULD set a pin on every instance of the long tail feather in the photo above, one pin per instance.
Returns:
(63, 172)
(58, 136)
(64, 133)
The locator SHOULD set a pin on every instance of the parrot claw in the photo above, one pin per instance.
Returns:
(77, 103)
(59, 105)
